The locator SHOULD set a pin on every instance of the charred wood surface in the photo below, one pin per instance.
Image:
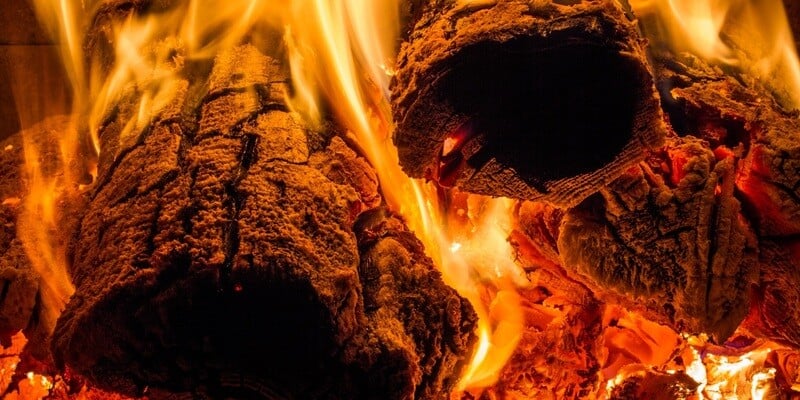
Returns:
(775, 315)
(677, 236)
(532, 100)
(729, 114)
(21, 295)
(20, 283)
(218, 255)
(667, 239)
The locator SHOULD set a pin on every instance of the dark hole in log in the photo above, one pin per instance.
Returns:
(548, 114)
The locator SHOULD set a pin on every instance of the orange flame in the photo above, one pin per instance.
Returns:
(352, 46)
(39, 223)
(753, 36)
(340, 53)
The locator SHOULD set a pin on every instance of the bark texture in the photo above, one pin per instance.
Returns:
(20, 283)
(532, 100)
(218, 255)
(670, 242)
(677, 236)
(774, 315)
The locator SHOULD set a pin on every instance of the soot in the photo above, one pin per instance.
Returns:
(547, 113)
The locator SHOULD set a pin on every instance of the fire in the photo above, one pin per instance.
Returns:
(475, 257)
(730, 371)
(751, 36)
(341, 54)
(722, 373)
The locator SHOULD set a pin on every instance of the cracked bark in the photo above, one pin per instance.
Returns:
(678, 236)
(532, 100)
(221, 255)
(666, 239)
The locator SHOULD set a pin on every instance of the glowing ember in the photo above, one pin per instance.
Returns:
(341, 56)
(719, 372)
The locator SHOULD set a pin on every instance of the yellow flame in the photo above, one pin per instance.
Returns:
(352, 45)
(742, 376)
(38, 225)
(720, 372)
(753, 36)
(38, 230)
(340, 53)
(480, 265)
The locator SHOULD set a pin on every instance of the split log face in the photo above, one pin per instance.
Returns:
(533, 100)
(218, 255)
(734, 116)
(674, 248)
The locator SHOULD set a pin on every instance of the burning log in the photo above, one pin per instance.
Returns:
(676, 237)
(26, 283)
(542, 100)
(20, 282)
(230, 250)
(778, 288)
(675, 248)
(768, 176)
(763, 137)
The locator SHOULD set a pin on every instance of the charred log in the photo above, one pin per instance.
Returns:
(673, 247)
(675, 236)
(20, 283)
(774, 313)
(22, 304)
(728, 114)
(218, 255)
(545, 100)
(746, 122)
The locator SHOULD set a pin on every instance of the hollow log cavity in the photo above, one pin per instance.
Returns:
(531, 100)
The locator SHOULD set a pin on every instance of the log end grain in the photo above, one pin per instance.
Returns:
(524, 100)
